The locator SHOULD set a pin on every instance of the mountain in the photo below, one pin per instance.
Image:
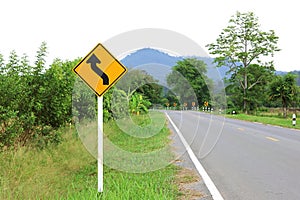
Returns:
(149, 55)
(159, 64)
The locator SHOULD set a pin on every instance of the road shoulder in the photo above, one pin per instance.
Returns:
(190, 183)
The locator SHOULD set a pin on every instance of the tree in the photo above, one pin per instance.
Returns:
(171, 98)
(257, 80)
(241, 44)
(152, 91)
(140, 81)
(189, 81)
(296, 99)
(284, 88)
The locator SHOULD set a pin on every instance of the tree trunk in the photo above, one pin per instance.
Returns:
(245, 76)
(284, 112)
(284, 108)
(245, 102)
(245, 93)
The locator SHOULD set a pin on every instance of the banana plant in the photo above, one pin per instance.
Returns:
(138, 104)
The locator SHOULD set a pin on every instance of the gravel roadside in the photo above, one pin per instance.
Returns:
(189, 180)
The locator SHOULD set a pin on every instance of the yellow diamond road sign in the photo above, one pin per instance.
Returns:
(100, 70)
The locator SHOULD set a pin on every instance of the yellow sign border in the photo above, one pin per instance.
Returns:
(111, 84)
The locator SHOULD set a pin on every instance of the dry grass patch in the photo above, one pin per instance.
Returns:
(185, 179)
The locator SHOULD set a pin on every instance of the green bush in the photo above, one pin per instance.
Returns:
(10, 127)
(35, 100)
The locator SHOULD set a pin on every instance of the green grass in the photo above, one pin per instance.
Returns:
(134, 143)
(272, 120)
(68, 171)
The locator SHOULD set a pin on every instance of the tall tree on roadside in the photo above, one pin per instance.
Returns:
(284, 88)
(257, 80)
(241, 44)
(189, 81)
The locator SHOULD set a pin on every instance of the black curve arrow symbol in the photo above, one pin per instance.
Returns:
(93, 60)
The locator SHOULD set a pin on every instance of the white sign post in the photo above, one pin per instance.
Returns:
(100, 70)
(100, 144)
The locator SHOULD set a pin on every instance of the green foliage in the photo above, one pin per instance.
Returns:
(40, 59)
(141, 82)
(255, 96)
(297, 73)
(171, 98)
(10, 127)
(57, 93)
(152, 91)
(134, 94)
(285, 89)
(84, 101)
(189, 81)
(131, 95)
(296, 100)
(35, 99)
(138, 104)
(118, 103)
(107, 111)
(240, 45)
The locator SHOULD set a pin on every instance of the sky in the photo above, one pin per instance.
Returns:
(71, 28)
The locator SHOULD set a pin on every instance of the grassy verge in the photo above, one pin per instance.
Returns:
(278, 121)
(68, 171)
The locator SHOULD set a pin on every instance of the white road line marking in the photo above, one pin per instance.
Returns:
(207, 180)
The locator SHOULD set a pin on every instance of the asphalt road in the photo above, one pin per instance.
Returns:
(244, 160)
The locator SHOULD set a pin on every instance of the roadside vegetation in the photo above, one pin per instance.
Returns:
(251, 83)
(271, 120)
(253, 89)
(68, 171)
(41, 155)
(248, 52)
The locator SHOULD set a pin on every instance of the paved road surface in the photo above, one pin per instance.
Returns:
(249, 160)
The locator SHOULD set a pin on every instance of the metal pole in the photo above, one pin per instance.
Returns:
(100, 144)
